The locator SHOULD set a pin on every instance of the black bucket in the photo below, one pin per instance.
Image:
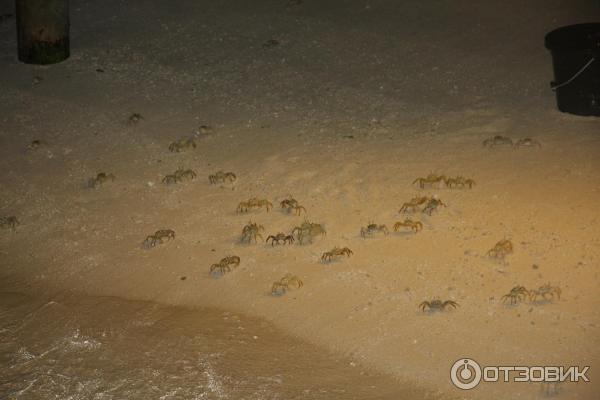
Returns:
(576, 58)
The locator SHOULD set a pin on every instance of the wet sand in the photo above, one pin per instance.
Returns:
(350, 107)
(75, 346)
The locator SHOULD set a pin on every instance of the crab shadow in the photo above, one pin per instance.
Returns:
(278, 247)
(431, 312)
(333, 261)
(373, 236)
(281, 293)
(276, 294)
(405, 234)
(215, 275)
(224, 187)
(239, 241)
(220, 274)
(511, 306)
(304, 242)
(541, 302)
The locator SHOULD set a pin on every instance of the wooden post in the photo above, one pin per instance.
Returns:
(43, 31)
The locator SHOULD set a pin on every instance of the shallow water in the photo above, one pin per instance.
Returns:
(79, 347)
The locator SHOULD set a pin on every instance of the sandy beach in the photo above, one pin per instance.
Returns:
(342, 105)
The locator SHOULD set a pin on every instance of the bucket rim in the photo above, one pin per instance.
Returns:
(583, 36)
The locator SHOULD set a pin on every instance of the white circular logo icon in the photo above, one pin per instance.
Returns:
(465, 373)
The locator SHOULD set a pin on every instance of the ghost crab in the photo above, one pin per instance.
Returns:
(225, 264)
(430, 179)
(179, 176)
(416, 226)
(546, 292)
(35, 144)
(170, 179)
(270, 43)
(185, 174)
(222, 267)
(182, 145)
(501, 249)
(308, 230)
(497, 141)
(290, 204)
(204, 130)
(516, 294)
(279, 238)
(159, 237)
(527, 142)
(286, 283)
(414, 203)
(437, 305)
(335, 252)
(134, 118)
(232, 260)
(460, 181)
(372, 228)
(9, 222)
(432, 205)
(252, 232)
(221, 177)
(244, 206)
(100, 179)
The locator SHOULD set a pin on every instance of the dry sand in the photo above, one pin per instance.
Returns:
(357, 100)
